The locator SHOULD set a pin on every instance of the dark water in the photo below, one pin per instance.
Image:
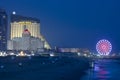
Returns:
(42, 68)
(105, 69)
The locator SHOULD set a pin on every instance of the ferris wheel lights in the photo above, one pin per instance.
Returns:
(103, 47)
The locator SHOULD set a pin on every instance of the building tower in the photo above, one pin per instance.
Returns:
(19, 23)
(3, 30)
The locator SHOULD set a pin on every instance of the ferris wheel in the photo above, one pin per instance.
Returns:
(104, 47)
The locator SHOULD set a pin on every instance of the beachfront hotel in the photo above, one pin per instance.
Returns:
(19, 23)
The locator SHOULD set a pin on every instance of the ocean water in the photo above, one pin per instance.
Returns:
(104, 69)
(42, 68)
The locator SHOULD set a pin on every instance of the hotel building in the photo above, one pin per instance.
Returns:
(19, 23)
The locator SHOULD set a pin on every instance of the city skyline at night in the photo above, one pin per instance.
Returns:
(59, 39)
(72, 24)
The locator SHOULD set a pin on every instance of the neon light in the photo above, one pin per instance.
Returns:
(104, 47)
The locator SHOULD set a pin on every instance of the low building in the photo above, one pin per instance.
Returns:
(72, 50)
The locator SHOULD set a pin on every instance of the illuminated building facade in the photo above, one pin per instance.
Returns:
(3, 30)
(26, 42)
(19, 23)
(72, 50)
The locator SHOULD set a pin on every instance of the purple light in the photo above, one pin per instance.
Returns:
(103, 47)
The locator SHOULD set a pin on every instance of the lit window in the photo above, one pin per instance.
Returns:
(4, 16)
(0, 37)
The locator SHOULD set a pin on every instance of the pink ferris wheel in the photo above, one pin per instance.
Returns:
(104, 47)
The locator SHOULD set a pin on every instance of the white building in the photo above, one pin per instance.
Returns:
(26, 42)
(19, 23)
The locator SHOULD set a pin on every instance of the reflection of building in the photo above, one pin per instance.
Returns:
(19, 23)
(26, 42)
(3, 30)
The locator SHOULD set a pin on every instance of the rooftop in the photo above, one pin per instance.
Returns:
(18, 18)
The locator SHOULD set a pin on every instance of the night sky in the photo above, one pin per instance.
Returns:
(72, 23)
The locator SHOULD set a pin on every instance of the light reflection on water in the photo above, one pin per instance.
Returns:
(104, 70)
(101, 72)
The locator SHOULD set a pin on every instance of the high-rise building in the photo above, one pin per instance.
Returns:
(19, 23)
(3, 30)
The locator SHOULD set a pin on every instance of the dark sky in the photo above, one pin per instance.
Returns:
(73, 23)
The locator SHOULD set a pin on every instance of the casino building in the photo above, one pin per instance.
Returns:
(20, 23)
(26, 42)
